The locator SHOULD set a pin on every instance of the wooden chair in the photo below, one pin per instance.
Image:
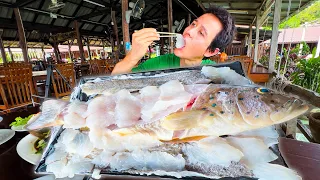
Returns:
(101, 66)
(93, 67)
(16, 87)
(247, 65)
(18, 64)
(109, 68)
(239, 58)
(60, 87)
(260, 76)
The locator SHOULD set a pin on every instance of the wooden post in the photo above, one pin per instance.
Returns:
(115, 31)
(3, 52)
(69, 50)
(11, 55)
(249, 50)
(112, 46)
(103, 51)
(256, 44)
(170, 25)
(22, 37)
(56, 51)
(275, 34)
(43, 54)
(125, 25)
(88, 46)
(79, 41)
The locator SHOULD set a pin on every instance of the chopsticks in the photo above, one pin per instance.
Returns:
(167, 34)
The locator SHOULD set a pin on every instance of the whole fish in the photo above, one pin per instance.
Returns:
(133, 82)
(223, 110)
(115, 83)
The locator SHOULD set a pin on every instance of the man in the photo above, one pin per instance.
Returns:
(204, 37)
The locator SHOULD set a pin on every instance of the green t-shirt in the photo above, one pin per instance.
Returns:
(164, 62)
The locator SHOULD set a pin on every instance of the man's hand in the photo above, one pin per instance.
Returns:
(141, 40)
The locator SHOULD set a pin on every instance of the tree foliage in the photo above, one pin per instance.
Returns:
(310, 14)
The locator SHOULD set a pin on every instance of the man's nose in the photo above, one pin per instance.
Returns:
(192, 32)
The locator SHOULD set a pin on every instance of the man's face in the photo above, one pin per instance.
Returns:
(198, 36)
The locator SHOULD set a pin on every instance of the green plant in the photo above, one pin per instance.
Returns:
(307, 73)
(264, 60)
(305, 49)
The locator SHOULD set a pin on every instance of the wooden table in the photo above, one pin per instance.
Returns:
(38, 76)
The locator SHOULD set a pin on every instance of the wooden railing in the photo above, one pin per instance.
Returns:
(232, 50)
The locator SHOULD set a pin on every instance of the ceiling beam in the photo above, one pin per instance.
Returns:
(74, 13)
(100, 20)
(36, 14)
(187, 9)
(22, 3)
(93, 14)
(44, 28)
(58, 12)
(201, 5)
(92, 10)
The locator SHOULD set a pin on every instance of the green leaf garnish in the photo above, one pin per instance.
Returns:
(19, 121)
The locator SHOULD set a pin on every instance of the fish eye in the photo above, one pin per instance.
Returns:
(262, 90)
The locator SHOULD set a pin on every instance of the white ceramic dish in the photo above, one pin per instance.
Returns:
(18, 128)
(26, 150)
(6, 135)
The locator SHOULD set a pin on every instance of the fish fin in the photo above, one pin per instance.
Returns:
(184, 140)
(182, 120)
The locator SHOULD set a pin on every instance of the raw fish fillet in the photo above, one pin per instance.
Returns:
(212, 151)
(49, 116)
(147, 160)
(254, 150)
(267, 171)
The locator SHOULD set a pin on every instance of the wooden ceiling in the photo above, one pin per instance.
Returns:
(95, 20)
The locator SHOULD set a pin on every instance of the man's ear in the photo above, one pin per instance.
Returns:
(209, 53)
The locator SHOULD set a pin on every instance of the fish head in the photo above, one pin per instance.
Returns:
(257, 106)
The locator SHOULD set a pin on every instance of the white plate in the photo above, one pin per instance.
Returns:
(6, 135)
(18, 128)
(26, 150)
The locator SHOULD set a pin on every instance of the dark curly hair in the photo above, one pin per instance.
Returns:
(225, 37)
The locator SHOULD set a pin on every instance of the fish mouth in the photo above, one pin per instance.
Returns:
(289, 110)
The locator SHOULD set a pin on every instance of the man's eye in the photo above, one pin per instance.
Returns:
(201, 33)
(193, 24)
